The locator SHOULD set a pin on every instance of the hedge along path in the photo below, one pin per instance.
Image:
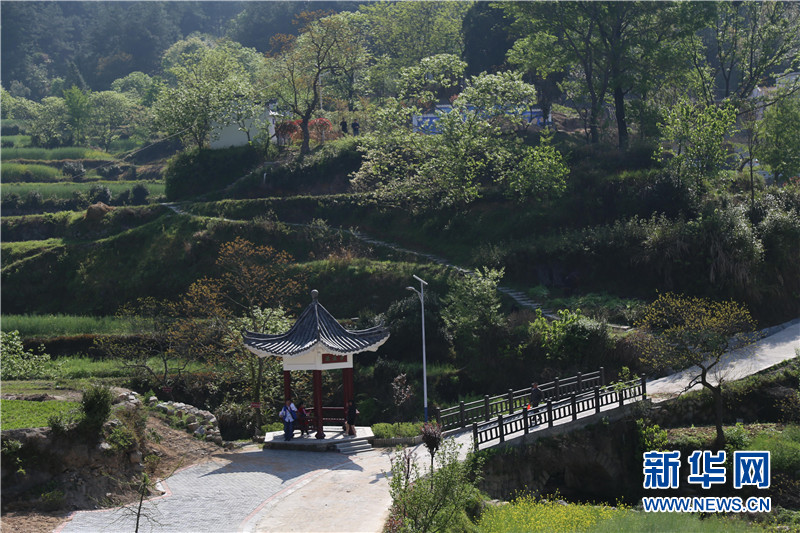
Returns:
(518, 296)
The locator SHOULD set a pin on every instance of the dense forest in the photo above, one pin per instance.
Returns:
(667, 160)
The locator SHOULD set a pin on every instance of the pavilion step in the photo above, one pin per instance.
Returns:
(354, 446)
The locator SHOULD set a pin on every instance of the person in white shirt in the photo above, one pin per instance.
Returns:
(288, 414)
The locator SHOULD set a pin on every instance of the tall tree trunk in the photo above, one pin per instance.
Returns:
(306, 146)
(622, 125)
(717, 393)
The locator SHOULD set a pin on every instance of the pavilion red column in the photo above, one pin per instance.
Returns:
(318, 403)
(348, 392)
(287, 385)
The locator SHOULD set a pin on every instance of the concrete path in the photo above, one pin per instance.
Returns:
(781, 345)
(259, 490)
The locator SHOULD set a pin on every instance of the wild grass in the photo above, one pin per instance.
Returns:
(80, 367)
(63, 325)
(18, 172)
(26, 414)
(527, 515)
(14, 251)
(66, 152)
(66, 190)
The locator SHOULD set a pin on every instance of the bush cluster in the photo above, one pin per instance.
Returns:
(17, 363)
(96, 406)
(199, 171)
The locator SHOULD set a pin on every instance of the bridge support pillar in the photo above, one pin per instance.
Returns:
(597, 399)
(500, 428)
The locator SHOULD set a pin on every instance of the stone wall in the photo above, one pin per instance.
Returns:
(591, 464)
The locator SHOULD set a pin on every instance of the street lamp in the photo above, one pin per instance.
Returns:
(421, 294)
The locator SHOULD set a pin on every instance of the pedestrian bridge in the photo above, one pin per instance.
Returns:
(568, 404)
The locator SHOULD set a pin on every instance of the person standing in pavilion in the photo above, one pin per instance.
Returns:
(288, 414)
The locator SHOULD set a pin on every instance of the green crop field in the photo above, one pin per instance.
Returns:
(17, 172)
(19, 141)
(65, 190)
(526, 515)
(66, 152)
(63, 325)
(26, 414)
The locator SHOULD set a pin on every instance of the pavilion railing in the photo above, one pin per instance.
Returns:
(331, 416)
(466, 413)
(568, 407)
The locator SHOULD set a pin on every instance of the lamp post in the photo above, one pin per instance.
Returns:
(421, 294)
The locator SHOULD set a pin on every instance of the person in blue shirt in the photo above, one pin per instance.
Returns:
(288, 414)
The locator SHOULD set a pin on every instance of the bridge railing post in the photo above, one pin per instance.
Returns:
(580, 382)
(557, 389)
(550, 413)
(525, 423)
(486, 408)
(437, 414)
(510, 402)
(644, 387)
(597, 399)
(500, 427)
(602, 376)
(462, 414)
(621, 393)
(475, 435)
(574, 407)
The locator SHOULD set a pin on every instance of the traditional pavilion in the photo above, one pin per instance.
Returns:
(317, 342)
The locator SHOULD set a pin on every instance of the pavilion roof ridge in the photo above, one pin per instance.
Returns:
(314, 327)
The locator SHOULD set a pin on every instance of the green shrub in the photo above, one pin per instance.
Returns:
(200, 171)
(651, 436)
(272, 427)
(96, 406)
(235, 420)
(432, 501)
(53, 500)
(60, 423)
(397, 430)
(11, 452)
(100, 193)
(16, 363)
(784, 448)
(121, 439)
(736, 437)
(572, 339)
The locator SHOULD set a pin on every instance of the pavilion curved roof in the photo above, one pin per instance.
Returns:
(316, 330)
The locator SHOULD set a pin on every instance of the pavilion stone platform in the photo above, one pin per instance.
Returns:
(334, 439)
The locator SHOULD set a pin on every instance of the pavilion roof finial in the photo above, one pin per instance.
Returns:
(314, 295)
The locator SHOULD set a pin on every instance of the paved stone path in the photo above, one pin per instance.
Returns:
(222, 495)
